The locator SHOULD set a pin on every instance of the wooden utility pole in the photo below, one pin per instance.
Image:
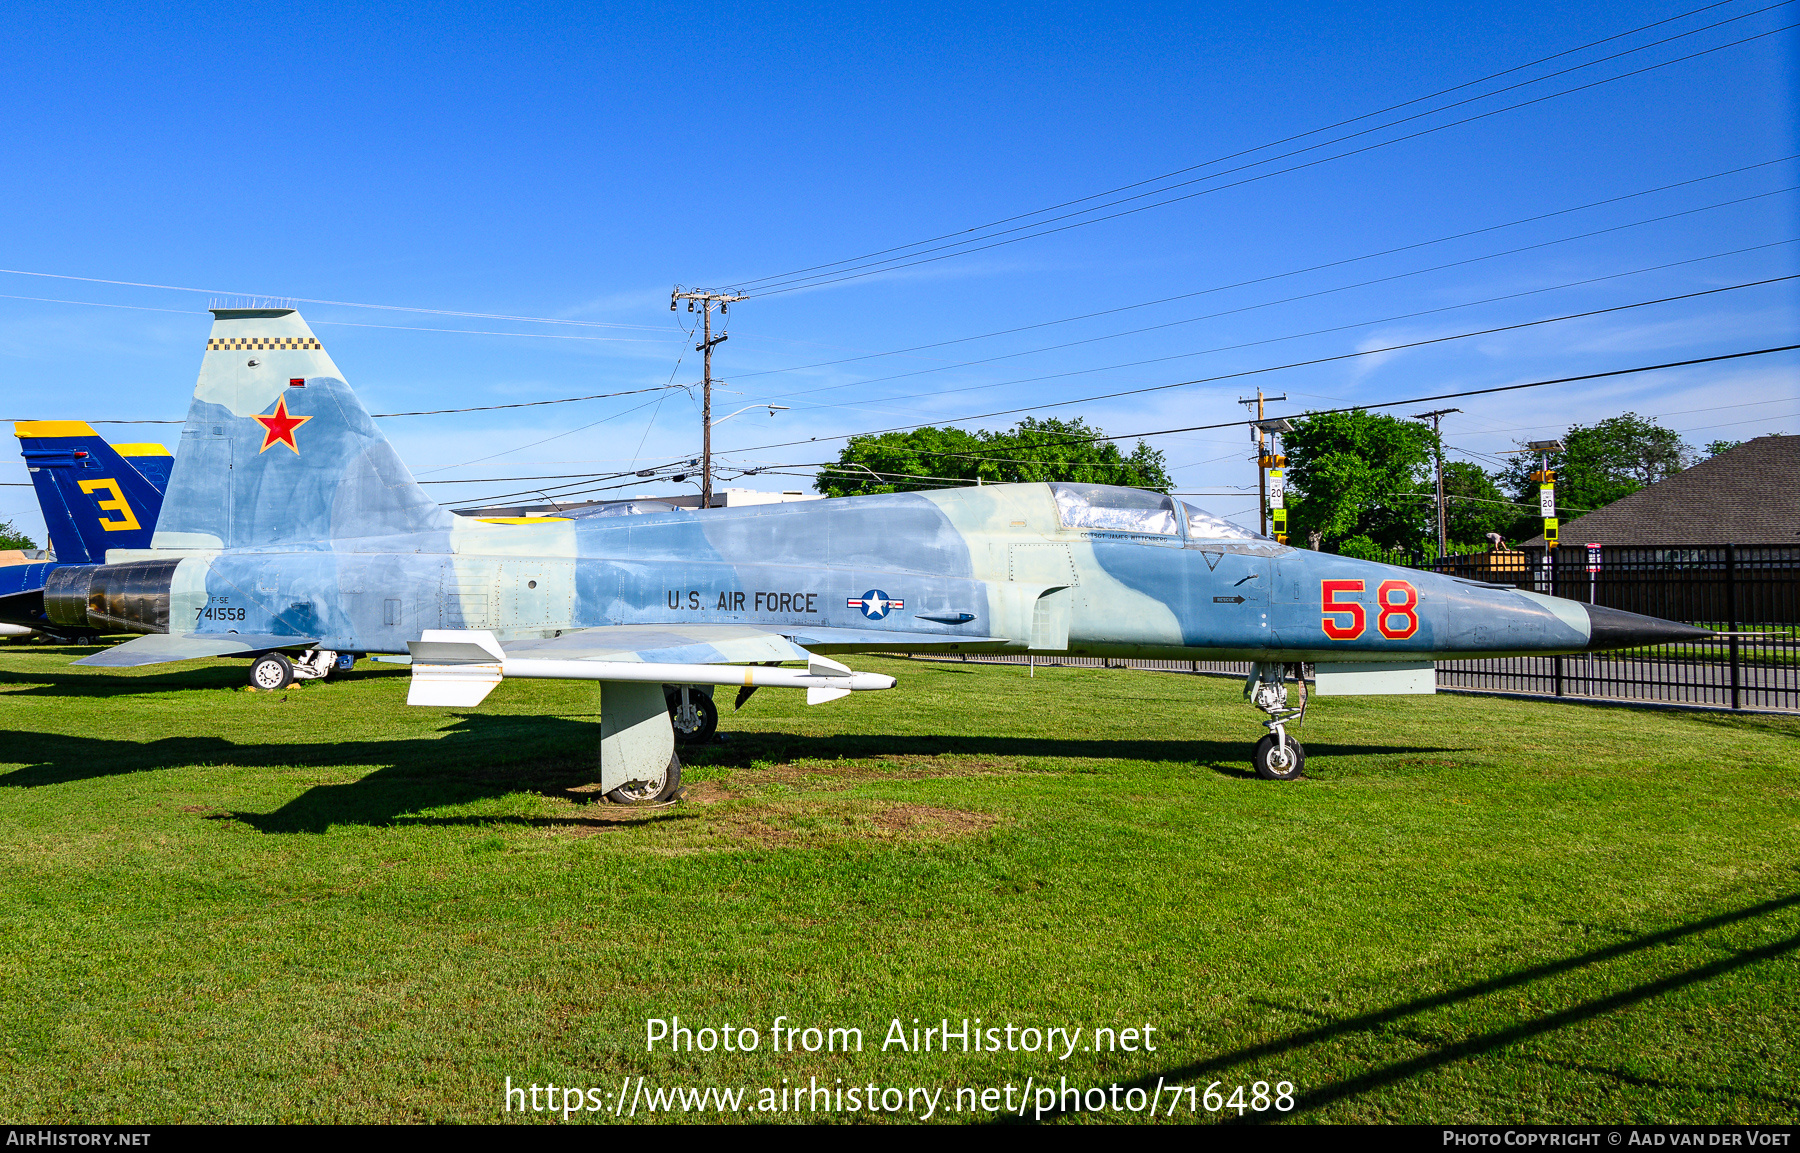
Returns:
(1262, 458)
(706, 301)
(1437, 436)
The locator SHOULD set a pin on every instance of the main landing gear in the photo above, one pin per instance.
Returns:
(273, 671)
(1278, 756)
(692, 712)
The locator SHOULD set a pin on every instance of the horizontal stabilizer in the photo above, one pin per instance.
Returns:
(161, 648)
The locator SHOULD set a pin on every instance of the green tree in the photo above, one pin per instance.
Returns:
(1359, 474)
(1600, 463)
(1718, 447)
(1033, 450)
(11, 537)
(1474, 506)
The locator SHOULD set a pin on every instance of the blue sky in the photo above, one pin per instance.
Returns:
(536, 163)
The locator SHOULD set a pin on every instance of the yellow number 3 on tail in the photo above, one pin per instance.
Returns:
(117, 504)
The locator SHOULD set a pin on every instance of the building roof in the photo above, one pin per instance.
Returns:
(1747, 495)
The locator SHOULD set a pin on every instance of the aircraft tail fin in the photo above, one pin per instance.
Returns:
(278, 449)
(153, 460)
(95, 496)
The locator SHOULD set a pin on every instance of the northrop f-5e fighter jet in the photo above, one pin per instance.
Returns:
(292, 534)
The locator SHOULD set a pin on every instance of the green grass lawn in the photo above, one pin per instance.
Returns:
(322, 905)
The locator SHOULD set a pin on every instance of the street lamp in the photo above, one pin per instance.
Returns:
(773, 409)
(706, 487)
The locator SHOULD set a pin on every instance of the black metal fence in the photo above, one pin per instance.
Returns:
(1749, 594)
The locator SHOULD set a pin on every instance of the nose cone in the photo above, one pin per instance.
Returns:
(1616, 629)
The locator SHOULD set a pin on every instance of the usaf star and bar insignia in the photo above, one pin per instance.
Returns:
(874, 604)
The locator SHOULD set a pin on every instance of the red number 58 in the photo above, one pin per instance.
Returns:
(1339, 629)
(1402, 614)
(1396, 610)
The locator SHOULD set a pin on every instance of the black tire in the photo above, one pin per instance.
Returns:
(1261, 760)
(271, 671)
(645, 795)
(700, 727)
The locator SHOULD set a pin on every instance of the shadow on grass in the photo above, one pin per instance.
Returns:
(476, 758)
(480, 757)
(1314, 1098)
(104, 683)
(1231, 758)
(1640, 1081)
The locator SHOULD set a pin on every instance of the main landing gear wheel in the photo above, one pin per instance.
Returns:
(271, 671)
(1278, 764)
(652, 792)
(696, 719)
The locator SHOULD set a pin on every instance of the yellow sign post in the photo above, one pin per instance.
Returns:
(1278, 502)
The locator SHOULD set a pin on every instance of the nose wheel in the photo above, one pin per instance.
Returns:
(1278, 756)
(1282, 760)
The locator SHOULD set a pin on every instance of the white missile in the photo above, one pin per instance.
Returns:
(460, 668)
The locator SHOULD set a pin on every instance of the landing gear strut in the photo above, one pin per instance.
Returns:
(1278, 756)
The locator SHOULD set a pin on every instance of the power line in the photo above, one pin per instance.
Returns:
(529, 403)
(1306, 296)
(443, 411)
(1354, 407)
(1289, 365)
(1282, 275)
(876, 404)
(1343, 356)
(895, 264)
(548, 439)
(1258, 148)
(337, 303)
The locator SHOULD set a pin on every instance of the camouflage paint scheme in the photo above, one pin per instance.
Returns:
(296, 525)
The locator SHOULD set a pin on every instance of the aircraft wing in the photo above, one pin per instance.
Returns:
(662, 644)
(160, 648)
(724, 644)
(899, 640)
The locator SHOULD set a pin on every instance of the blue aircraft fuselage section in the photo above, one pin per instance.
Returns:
(289, 518)
(821, 566)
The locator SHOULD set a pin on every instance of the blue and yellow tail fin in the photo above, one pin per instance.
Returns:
(153, 460)
(95, 496)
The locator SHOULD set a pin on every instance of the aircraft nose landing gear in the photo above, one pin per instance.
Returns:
(1278, 756)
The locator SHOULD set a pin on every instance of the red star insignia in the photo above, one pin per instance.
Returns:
(278, 427)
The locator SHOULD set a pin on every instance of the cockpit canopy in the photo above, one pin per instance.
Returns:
(1203, 525)
(1110, 509)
